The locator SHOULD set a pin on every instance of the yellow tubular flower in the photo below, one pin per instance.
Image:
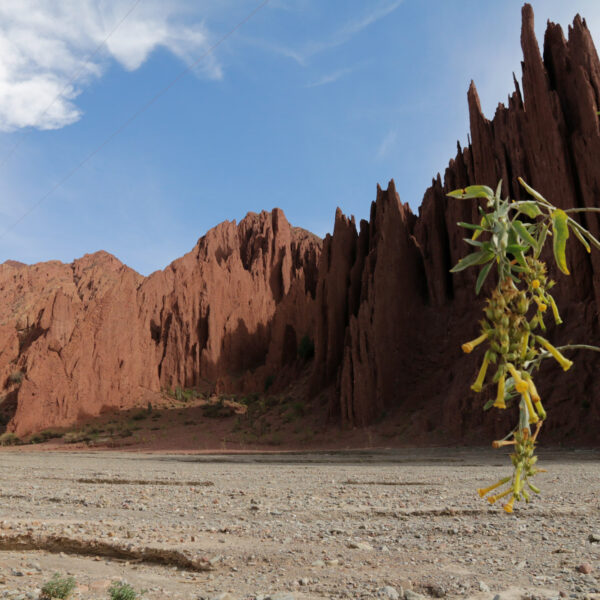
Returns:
(476, 387)
(483, 491)
(508, 507)
(541, 306)
(565, 363)
(537, 401)
(535, 284)
(517, 483)
(493, 499)
(500, 396)
(500, 443)
(557, 318)
(520, 385)
(467, 347)
(524, 344)
(533, 418)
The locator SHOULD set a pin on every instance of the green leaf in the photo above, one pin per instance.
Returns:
(560, 233)
(482, 277)
(520, 259)
(584, 232)
(470, 226)
(473, 242)
(518, 269)
(477, 258)
(523, 232)
(531, 191)
(581, 239)
(516, 248)
(541, 240)
(489, 404)
(473, 191)
(498, 190)
(531, 209)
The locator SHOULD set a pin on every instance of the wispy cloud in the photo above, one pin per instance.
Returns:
(43, 43)
(387, 144)
(338, 37)
(331, 77)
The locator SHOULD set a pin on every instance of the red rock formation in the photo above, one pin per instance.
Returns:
(401, 343)
(386, 315)
(79, 339)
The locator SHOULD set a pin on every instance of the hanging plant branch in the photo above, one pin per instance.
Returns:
(508, 240)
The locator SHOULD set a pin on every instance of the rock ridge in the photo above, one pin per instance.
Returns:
(386, 316)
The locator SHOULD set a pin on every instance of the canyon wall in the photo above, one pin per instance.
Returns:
(386, 316)
(80, 339)
(405, 315)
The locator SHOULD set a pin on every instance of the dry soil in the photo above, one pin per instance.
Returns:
(390, 524)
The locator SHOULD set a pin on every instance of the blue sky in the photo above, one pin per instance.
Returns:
(306, 107)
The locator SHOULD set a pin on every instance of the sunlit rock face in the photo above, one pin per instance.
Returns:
(386, 316)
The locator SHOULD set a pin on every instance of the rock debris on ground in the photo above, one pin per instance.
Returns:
(399, 524)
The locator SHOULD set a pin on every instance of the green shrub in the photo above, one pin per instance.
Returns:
(306, 348)
(9, 439)
(250, 399)
(122, 591)
(74, 437)
(58, 587)
(218, 410)
(44, 436)
(140, 415)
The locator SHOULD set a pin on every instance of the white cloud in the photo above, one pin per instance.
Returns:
(338, 37)
(44, 43)
(386, 144)
(331, 77)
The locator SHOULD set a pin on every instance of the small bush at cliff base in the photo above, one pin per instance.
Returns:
(9, 439)
(122, 591)
(58, 587)
(44, 436)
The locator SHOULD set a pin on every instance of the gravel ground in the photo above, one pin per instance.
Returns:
(388, 524)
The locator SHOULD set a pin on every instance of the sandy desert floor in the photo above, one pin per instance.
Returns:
(389, 524)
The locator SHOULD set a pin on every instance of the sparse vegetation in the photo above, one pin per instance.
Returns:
(58, 587)
(122, 591)
(74, 437)
(9, 439)
(218, 410)
(44, 436)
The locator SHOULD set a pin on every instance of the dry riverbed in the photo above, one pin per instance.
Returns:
(388, 524)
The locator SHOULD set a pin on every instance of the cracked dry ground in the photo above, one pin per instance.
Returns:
(342, 525)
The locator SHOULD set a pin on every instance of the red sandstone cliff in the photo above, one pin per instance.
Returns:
(405, 315)
(94, 335)
(386, 315)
